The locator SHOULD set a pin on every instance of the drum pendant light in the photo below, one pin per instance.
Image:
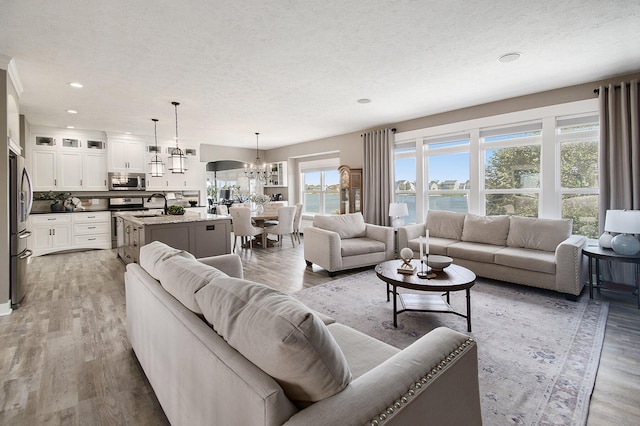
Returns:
(157, 166)
(177, 160)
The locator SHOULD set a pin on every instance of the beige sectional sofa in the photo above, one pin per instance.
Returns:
(221, 350)
(523, 250)
(339, 242)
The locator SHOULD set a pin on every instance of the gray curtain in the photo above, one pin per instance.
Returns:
(377, 176)
(619, 160)
(619, 148)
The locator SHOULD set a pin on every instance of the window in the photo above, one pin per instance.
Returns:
(512, 169)
(321, 191)
(577, 139)
(405, 180)
(447, 171)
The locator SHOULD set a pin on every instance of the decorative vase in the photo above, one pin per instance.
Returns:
(259, 208)
(57, 207)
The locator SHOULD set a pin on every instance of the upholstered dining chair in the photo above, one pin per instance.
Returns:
(242, 227)
(285, 224)
(222, 210)
(297, 218)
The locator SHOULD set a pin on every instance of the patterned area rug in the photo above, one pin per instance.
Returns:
(538, 353)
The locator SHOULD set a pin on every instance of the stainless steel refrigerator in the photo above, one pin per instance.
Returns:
(20, 201)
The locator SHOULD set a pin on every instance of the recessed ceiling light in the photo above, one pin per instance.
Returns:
(71, 127)
(364, 101)
(76, 85)
(510, 57)
(127, 133)
(72, 111)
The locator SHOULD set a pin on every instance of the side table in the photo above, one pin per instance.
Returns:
(595, 253)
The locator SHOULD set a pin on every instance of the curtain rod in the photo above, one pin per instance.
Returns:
(617, 86)
(393, 129)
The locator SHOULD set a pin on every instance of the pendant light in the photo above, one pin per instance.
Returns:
(256, 171)
(157, 166)
(178, 162)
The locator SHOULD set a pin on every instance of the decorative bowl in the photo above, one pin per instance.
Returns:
(438, 263)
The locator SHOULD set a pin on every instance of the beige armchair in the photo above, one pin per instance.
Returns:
(340, 242)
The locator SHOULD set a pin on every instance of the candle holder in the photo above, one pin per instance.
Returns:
(424, 274)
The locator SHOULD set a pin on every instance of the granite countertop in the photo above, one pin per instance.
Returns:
(66, 211)
(149, 218)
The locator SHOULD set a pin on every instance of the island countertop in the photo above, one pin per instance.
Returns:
(150, 218)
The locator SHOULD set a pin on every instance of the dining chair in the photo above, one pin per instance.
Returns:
(285, 224)
(297, 218)
(222, 210)
(242, 227)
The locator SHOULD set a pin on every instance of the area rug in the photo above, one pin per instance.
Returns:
(538, 353)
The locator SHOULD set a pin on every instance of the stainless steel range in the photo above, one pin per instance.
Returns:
(121, 204)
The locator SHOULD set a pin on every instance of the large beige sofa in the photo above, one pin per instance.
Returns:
(220, 350)
(339, 242)
(523, 250)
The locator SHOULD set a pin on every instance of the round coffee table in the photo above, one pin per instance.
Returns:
(452, 278)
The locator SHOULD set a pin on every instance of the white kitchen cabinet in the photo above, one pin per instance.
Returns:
(63, 162)
(91, 230)
(43, 170)
(95, 171)
(51, 233)
(126, 156)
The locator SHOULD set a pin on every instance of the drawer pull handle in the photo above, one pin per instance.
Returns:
(91, 227)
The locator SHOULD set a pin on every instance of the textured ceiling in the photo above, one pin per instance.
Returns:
(293, 70)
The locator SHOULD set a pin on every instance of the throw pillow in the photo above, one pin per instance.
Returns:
(486, 229)
(346, 225)
(153, 254)
(278, 334)
(183, 277)
(443, 224)
(538, 234)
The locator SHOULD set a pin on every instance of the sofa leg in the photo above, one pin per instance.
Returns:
(571, 297)
(332, 273)
(308, 263)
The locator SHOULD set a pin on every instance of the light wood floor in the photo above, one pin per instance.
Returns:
(65, 358)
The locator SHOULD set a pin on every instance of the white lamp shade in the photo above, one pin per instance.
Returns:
(622, 221)
(398, 210)
(157, 167)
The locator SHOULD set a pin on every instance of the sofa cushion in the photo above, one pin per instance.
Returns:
(436, 245)
(473, 251)
(278, 334)
(152, 255)
(445, 224)
(346, 225)
(183, 277)
(527, 259)
(356, 246)
(538, 234)
(486, 229)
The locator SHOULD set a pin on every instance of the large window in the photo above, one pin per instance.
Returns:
(541, 162)
(321, 191)
(577, 138)
(512, 169)
(405, 180)
(447, 171)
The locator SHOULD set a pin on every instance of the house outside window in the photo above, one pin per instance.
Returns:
(405, 180)
(447, 171)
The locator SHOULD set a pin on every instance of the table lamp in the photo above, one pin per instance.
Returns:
(397, 211)
(625, 223)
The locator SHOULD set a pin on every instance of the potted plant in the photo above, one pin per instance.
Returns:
(260, 200)
(57, 199)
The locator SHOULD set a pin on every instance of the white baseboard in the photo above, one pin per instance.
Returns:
(5, 308)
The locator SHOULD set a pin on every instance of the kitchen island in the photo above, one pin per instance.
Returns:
(201, 234)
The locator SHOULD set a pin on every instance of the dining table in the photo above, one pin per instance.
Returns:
(259, 219)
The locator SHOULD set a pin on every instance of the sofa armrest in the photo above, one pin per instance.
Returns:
(569, 265)
(409, 232)
(322, 247)
(384, 234)
(230, 264)
(434, 379)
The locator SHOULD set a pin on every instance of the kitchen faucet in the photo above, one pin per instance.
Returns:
(159, 195)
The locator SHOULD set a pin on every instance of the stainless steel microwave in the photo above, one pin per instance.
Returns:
(127, 181)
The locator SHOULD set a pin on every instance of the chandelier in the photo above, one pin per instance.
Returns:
(157, 166)
(178, 162)
(256, 171)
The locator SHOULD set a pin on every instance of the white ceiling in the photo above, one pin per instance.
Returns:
(293, 70)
